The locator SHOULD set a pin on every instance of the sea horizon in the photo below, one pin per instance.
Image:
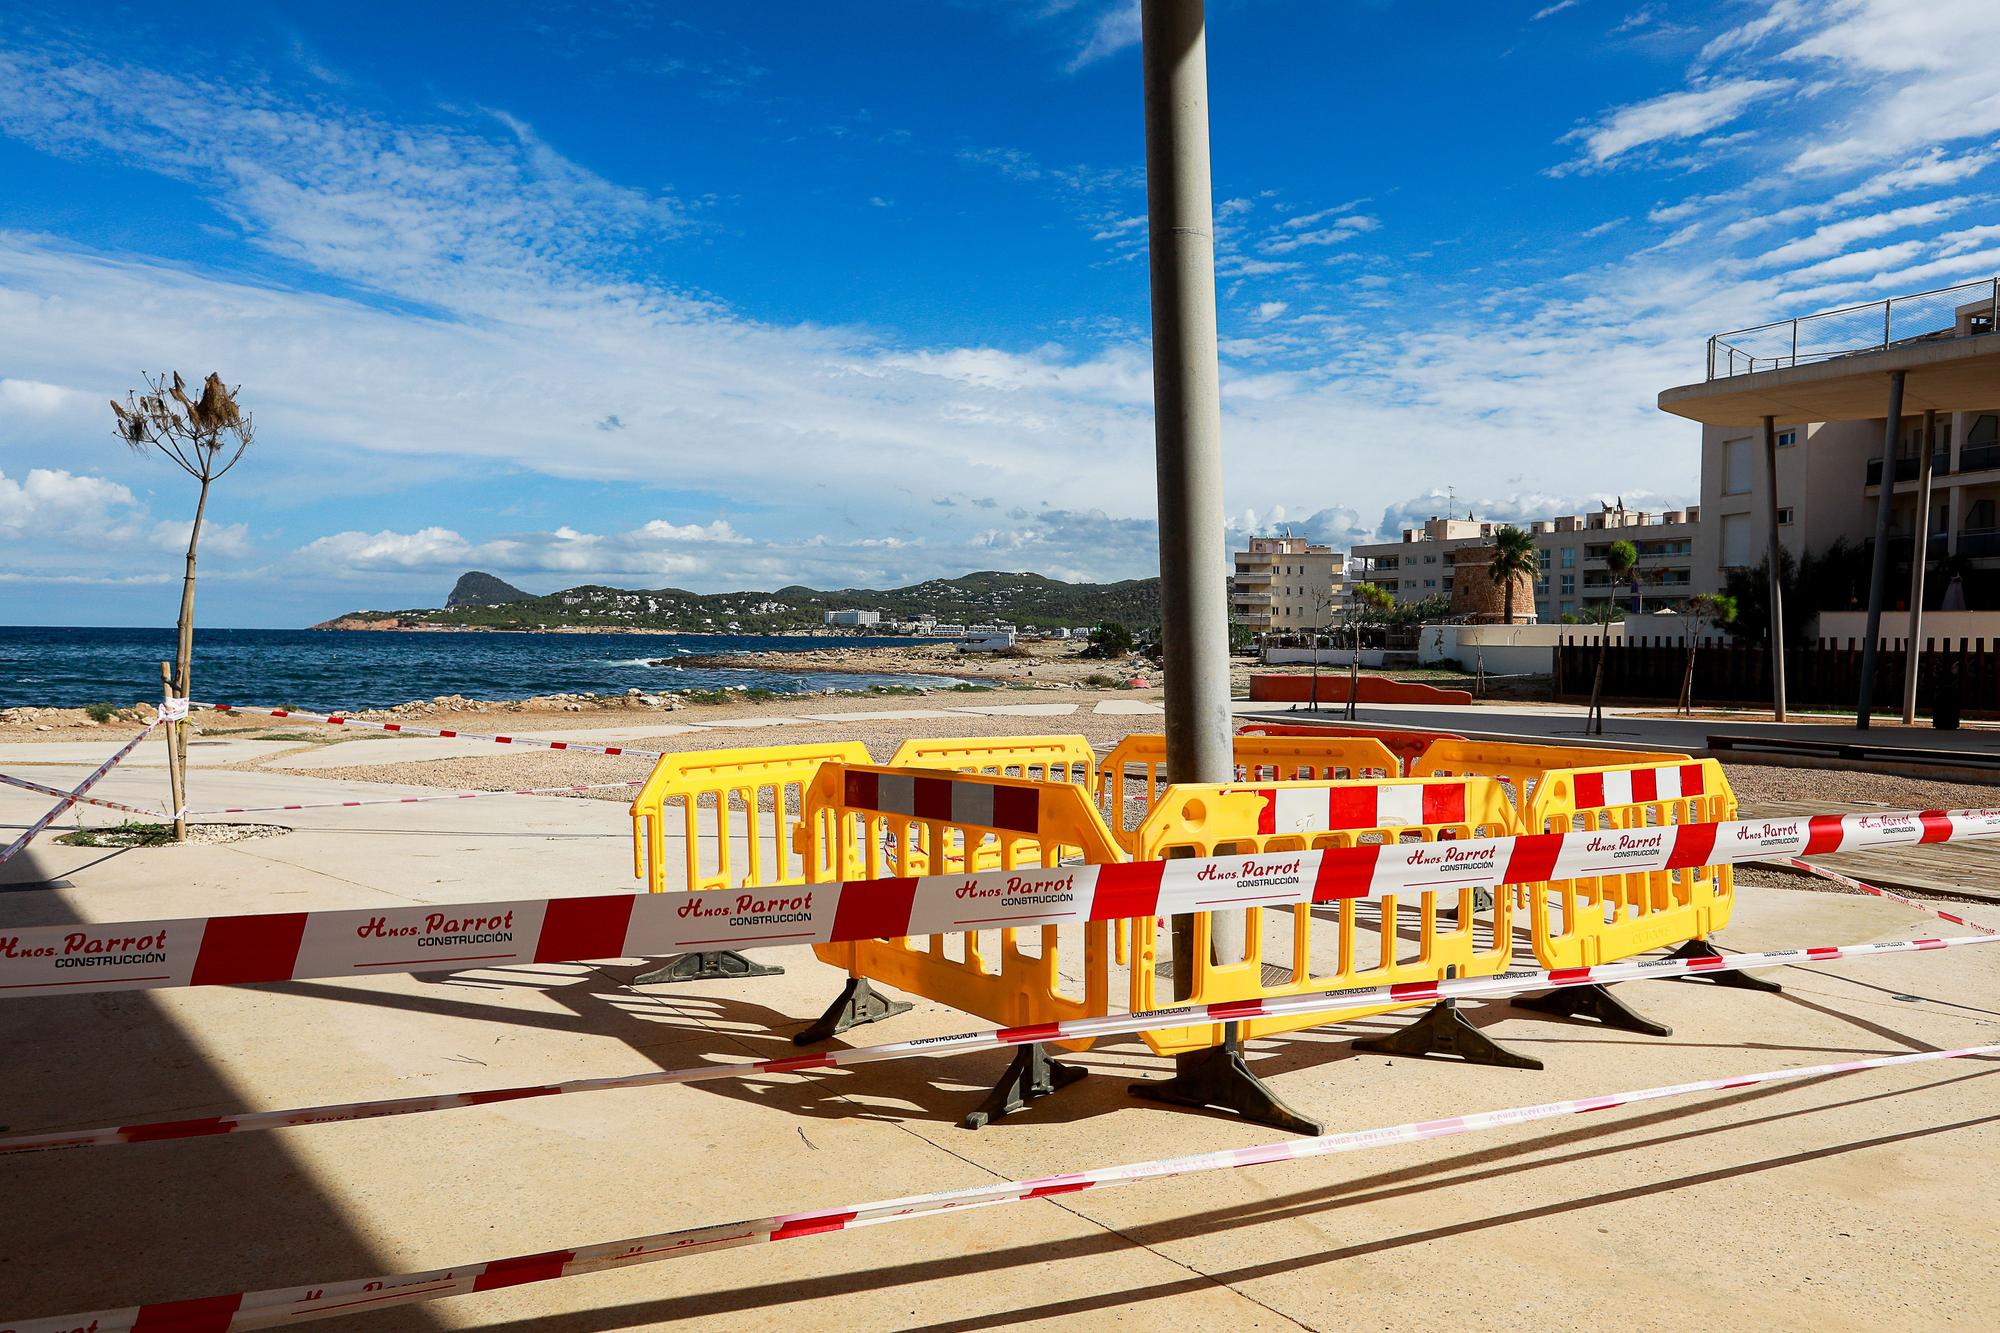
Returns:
(74, 666)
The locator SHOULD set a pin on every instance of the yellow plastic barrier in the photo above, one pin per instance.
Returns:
(1521, 765)
(1584, 922)
(1325, 952)
(1124, 797)
(1041, 758)
(729, 787)
(868, 822)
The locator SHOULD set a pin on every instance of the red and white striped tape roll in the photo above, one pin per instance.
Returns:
(234, 950)
(1111, 1025)
(75, 794)
(405, 729)
(274, 1308)
(1878, 891)
(98, 801)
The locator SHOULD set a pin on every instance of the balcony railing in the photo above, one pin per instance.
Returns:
(1948, 312)
(1979, 458)
(1906, 468)
(1975, 543)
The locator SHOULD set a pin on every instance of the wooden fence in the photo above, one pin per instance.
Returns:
(1826, 675)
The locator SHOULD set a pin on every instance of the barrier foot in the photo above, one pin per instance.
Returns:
(857, 1003)
(710, 965)
(1593, 1002)
(1443, 1031)
(1218, 1079)
(1692, 949)
(1030, 1074)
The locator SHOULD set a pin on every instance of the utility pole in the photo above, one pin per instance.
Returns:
(1187, 434)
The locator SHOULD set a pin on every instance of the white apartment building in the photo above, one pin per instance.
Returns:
(1571, 547)
(1287, 585)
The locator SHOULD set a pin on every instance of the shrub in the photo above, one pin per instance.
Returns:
(99, 711)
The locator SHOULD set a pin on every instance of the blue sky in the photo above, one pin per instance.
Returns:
(724, 296)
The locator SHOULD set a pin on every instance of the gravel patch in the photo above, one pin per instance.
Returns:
(1836, 790)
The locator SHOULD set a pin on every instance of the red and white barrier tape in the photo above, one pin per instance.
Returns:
(1878, 891)
(405, 729)
(235, 950)
(270, 1309)
(1111, 1025)
(26, 785)
(416, 800)
(75, 794)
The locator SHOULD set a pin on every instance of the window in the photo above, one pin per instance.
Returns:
(1568, 584)
(1569, 557)
(1542, 556)
(1735, 541)
(1785, 517)
(1736, 464)
(1787, 438)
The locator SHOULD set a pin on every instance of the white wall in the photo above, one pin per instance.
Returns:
(1370, 657)
(1840, 626)
(1505, 650)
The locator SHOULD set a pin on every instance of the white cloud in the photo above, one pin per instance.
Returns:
(54, 506)
(1670, 117)
(1552, 10)
(1114, 30)
(32, 397)
(1270, 310)
(226, 539)
(1837, 236)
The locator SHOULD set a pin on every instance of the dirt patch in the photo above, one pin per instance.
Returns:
(133, 834)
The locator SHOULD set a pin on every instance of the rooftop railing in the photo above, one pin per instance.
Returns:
(1948, 312)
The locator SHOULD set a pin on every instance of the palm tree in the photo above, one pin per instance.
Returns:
(1513, 556)
(1619, 558)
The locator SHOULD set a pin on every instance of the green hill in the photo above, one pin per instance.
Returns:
(480, 589)
(986, 596)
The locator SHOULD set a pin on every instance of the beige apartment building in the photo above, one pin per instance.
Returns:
(1829, 484)
(1287, 585)
(1571, 549)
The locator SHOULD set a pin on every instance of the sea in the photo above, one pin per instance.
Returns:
(347, 670)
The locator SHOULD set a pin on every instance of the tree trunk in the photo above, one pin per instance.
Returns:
(1687, 678)
(1354, 678)
(183, 659)
(1595, 723)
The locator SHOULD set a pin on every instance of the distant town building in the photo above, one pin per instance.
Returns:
(851, 619)
(1571, 549)
(1287, 585)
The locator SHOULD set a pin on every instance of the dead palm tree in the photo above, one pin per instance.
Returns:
(1513, 557)
(195, 433)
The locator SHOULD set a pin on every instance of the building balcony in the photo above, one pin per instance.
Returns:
(1979, 458)
(1253, 576)
(1906, 468)
(1979, 543)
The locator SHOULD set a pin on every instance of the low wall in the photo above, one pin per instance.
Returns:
(1370, 657)
(1837, 628)
(1333, 689)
